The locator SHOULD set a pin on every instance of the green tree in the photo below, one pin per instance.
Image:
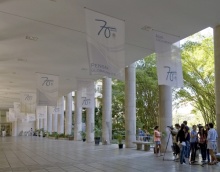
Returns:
(118, 106)
(147, 93)
(198, 74)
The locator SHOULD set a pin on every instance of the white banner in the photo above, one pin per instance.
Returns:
(106, 42)
(28, 102)
(47, 89)
(41, 112)
(86, 87)
(31, 117)
(54, 109)
(11, 115)
(169, 66)
(17, 107)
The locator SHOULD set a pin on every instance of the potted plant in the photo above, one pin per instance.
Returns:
(119, 137)
(120, 144)
(83, 135)
(97, 135)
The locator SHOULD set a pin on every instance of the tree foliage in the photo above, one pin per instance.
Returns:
(198, 74)
(147, 93)
(146, 97)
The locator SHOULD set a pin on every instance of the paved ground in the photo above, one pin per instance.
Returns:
(26, 153)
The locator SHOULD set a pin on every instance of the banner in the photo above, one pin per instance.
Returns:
(106, 44)
(169, 66)
(54, 109)
(28, 102)
(31, 117)
(11, 115)
(41, 112)
(86, 88)
(47, 89)
(17, 107)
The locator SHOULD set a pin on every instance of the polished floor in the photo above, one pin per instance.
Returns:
(35, 154)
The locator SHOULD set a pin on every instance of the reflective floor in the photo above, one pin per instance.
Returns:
(26, 153)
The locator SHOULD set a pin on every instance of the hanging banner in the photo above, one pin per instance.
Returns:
(28, 102)
(41, 112)
(86, 88)
(17, 107)
(11, 115)
(54, 109)
(106, 41)
(31, 117)
(169, 66)
(47, 89)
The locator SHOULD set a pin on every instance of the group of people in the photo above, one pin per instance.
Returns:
(188, 142)
(143, 136)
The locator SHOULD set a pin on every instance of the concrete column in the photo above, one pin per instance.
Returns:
(14, 128)
(49, 118)
(45, 120)
(77, 116)
(165, 115)
(61, 115)
(37, 124)
(106, 110)
(68, 115)
(217, 79)
(55, 121)
(130, 105)
(90, 120)
(90, 124)
(40, 123)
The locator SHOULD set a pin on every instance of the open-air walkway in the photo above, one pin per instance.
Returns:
(37, 154)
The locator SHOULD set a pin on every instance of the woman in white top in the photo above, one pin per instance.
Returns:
(212, 144)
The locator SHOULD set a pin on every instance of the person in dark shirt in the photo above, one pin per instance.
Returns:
(181, 140)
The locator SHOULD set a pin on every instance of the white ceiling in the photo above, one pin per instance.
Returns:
(59, 27)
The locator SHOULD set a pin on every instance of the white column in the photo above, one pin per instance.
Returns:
(45, 120)
(37, 124)
(68, 115)
(55, 121)
(90, 120)
(61, 115)
(106, 110)
(14, 128)
(165, 115)
(130, 105)
(217, 79)
(40, 123)
(49, 118)
(77, 116)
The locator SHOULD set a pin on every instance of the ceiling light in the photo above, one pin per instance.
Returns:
(33, 38)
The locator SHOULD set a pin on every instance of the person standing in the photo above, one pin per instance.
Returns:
(181, 140)
(207, 150)
(212, 143)
(193, 143)
(157, 141)
(202, 142)
(176, 149)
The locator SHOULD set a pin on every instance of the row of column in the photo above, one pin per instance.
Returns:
(165, 107)
(55, 122)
